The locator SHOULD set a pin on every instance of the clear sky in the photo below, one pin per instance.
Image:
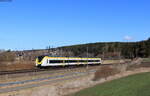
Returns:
(27, 24)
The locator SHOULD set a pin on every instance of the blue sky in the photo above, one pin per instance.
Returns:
(27, 24)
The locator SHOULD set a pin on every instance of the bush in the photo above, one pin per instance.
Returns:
(104, 72)
(136, 63)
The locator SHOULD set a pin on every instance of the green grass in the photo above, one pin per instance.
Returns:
(146, 59)
(134, 85)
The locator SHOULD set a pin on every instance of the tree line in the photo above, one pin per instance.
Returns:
(110, 49)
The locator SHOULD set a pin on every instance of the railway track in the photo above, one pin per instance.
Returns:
(46, 69)
(30, 83)
(20, 71)
(39, 70)
(48, 77)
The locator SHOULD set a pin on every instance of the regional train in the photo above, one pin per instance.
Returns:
(45, 61)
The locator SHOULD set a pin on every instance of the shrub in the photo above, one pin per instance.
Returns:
(104, 72)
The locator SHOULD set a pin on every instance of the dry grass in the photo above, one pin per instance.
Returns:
(115, 61)
(18, 65)
(110, 61)
(7, 56)
(104, 72)
(136, 63)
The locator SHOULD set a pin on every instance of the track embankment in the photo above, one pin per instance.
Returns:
(44, 80)
(45, 83)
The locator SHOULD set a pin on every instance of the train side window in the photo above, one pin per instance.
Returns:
(82, 60)
(96, 61)
(66, 61)
(55, 61)
(90, 60)
(70, 61)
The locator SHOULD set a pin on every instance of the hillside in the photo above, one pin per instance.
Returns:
(111, 49)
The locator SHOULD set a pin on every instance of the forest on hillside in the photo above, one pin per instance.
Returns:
(104, 50)
(110, 49)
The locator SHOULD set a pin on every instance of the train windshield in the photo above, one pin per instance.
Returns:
(40, 58)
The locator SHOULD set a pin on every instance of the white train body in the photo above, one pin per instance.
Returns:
(43, 61)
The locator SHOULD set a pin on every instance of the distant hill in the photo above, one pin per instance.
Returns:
(111, 49)
(105, 50)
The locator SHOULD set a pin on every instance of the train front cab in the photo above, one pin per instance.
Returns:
(39, 61)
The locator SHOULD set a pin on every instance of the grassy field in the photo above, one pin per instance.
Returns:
(110, 61)
(114, 61)
(146, 59)
(134, 85)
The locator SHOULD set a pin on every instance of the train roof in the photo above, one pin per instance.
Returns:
(60, 57)
(66, 56)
